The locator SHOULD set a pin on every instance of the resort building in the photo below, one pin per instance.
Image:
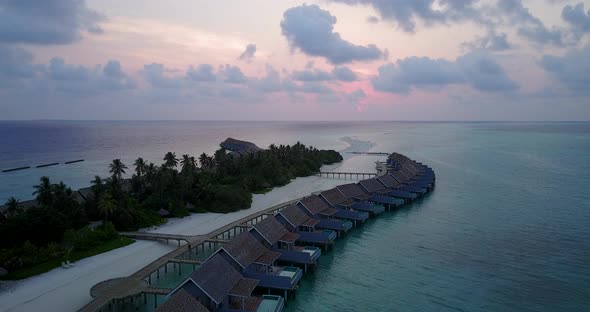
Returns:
(295, 220)
(217, 286)
(250, 257)
(239, 147)
(329, 217)
(182, 301)
(356, 192)
(375, 187)
(351, 200)
(271, 233)
(391, 183)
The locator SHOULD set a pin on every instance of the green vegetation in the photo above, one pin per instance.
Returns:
(40, 238)
(29, 260)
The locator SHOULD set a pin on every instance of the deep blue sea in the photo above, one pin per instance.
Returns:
(507, 227)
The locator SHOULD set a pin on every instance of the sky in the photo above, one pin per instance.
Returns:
(430, 60)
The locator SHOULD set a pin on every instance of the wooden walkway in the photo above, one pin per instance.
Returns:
(157, 236)
(128, 287)
(346, 175)
(370, 153)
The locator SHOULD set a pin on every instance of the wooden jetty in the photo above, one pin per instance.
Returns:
(370, 153)
(347, 175)
(157, 236)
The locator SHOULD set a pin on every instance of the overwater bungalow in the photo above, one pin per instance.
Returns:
(375, 187)
(295, 220)
(335, 198)
(329, 217)
(356, 192)
(182, 301)
(255, 261)
(410, 172)
(217, 286)
(391, 183)
(410, 179)
(271, 233)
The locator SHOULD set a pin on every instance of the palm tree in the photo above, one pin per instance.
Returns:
(170, 160)
(193, 162)
(187, 163)
(106, 206)
(117, 168)
(219, 156)
(203, 161)
(44, 192)
(12, 206)
(150, 171)
(140, 166)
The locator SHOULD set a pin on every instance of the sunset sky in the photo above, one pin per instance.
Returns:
(295, 60)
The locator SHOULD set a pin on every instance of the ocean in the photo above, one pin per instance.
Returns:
(507, 227)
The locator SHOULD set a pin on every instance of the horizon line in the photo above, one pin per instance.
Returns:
(293, 120)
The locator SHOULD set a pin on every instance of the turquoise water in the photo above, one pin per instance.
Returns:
(506, 229)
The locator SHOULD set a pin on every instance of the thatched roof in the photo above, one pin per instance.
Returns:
(333, 196)
(314, 204)
(294, 215)
(388, 180)
(353, 190)
(238, 146)
(182, 301)
(246, 249)
(216, 277)
(372, 185)
(271, 229)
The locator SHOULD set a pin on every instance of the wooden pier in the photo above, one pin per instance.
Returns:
(157, 236)
(370, 153)
(347, 175)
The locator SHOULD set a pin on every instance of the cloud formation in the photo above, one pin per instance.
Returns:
(203, 72)
(406, 13)
(15, 66)
(491, 41)
(340, 73)
(155, 74)
(310, 29)
(46, 22)
(232, 74)
(577, 17)
(249, 53)
(476, 69)
(571, 70)
(18, 71)
(490, 14)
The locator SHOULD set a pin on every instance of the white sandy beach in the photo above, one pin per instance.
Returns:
(68, 289)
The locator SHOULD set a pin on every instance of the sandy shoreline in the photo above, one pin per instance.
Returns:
(68, 290)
